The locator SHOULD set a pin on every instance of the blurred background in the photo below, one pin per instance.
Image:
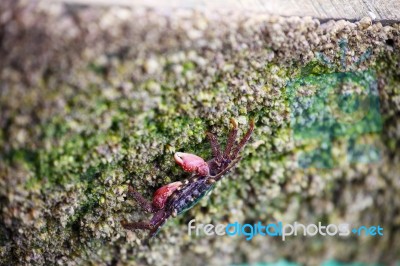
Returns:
(96, 95)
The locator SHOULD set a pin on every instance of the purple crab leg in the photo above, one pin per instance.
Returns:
(144, 203)
(243, 141)
(229, 167)
(231, 138)
(138, 225)
(159, 218)
(215, 147)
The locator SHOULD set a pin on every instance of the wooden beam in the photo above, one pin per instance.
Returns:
(377, 10)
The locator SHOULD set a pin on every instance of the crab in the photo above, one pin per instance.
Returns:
(177, 197)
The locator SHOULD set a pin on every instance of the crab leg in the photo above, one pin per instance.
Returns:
(144, 203)
(231, 138)
(243, 141)
(215, 147)
(159, 218)
(229, 167)
(138, 225)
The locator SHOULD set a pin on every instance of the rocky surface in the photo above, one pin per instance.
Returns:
(92, 99)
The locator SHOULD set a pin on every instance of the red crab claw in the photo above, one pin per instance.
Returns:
(192, 163)
(161, 195)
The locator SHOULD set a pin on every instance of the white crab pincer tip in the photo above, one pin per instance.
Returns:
(178, 157)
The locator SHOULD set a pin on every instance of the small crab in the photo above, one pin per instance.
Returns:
(178, 197)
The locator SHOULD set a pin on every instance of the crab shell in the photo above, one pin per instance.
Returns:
(192, 163)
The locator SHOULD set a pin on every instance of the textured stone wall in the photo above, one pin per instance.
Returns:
(92, 99)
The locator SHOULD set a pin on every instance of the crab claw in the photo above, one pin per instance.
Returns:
(192, 163)
(161, 195)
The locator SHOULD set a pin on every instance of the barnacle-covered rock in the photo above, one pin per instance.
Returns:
(92, 99)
